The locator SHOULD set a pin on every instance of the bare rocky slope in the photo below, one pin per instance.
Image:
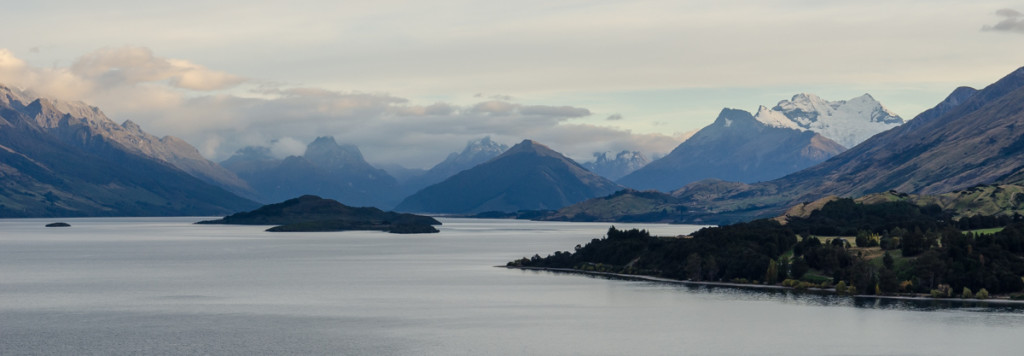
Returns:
(79, 172)
(80, 124)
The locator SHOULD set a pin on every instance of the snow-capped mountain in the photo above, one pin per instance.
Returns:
(476, 152)
(848, 122)
(736, 147)
(617, 166)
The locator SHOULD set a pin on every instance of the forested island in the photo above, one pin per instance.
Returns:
(311, 213)
(887, 248)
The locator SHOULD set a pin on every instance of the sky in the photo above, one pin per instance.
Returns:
(411, 81)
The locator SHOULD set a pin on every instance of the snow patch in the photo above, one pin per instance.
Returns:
(848, 122)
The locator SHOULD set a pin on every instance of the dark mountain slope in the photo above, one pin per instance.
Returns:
(475, 152)
(529, 176)
(736, 147)
(326, 169)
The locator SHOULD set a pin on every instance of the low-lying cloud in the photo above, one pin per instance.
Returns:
(220, 112)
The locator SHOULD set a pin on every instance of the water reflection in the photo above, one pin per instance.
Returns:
(816, 298)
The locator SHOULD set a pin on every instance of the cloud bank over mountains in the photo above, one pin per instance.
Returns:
(219, 112)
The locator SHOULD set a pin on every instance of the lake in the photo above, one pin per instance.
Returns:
(129, 286)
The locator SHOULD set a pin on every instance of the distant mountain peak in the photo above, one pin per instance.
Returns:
(484, 144)
(952, 101)
(532, 147)
(323, 140)
(728, 116)
(848, 122)
(329, 169)
(13, 96)
(736, 146)
(131, 126)
(960, 92)
(476, 152)
(621, 164)
(529, 176)
(326, 152)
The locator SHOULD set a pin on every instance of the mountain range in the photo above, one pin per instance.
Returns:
(847, 122)
(741, 147)
(68, 159)
(80, 125)
(528, 176)
(475, 152)
(62, 158)
(623, 163)
(735, 147)
(327, 169)
(972, 137)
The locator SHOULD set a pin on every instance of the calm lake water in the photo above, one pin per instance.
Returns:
(121, 286)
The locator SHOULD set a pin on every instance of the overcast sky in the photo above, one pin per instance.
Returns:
(411, 81)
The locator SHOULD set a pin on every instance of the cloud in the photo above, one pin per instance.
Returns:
(51, 82)
(129, 65)
(501, 97)
(558, 111)
(494, 107)
(614, 117)
(1012, 22)
(1008, 13)
(176, 97)
(287, 146)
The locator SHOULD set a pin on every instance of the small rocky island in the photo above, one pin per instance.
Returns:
(313, 213)
(58, 224)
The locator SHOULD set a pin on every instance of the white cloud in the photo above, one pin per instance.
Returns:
(287, 146)
(129, 65)
(171, 97)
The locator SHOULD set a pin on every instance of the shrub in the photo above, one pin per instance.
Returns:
(906, 286)
(943, 291)
(982, 294)
(841, 287)
(967, 294)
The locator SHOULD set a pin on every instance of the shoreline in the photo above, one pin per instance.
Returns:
(756, 286)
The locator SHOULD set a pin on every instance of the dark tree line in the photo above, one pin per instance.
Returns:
(740, 251)
(937, 255)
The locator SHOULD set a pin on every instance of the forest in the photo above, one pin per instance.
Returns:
(892, 248)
